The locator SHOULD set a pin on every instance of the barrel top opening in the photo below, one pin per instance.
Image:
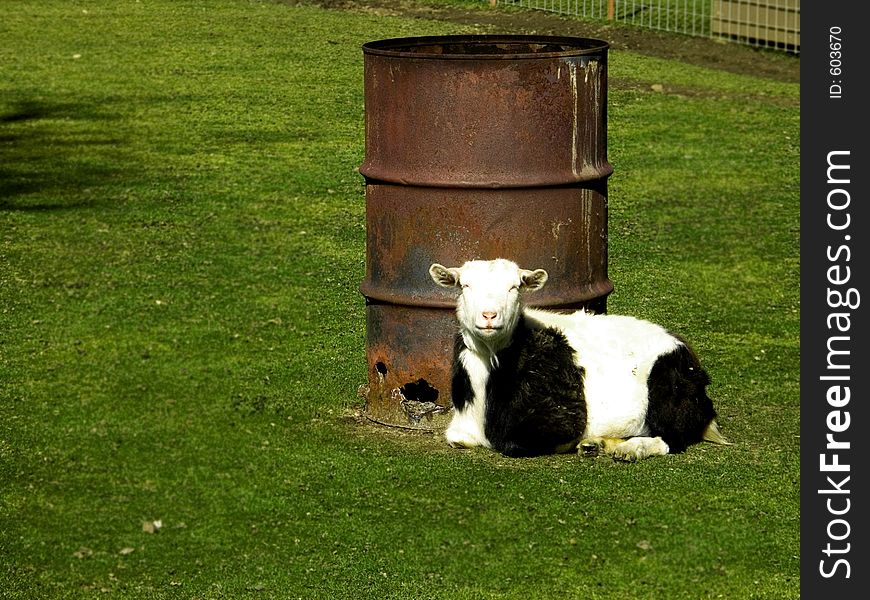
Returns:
(497, 47)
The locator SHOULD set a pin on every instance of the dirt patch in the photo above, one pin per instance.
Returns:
(704, 52)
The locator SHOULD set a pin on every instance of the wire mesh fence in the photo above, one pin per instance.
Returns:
(766, 23)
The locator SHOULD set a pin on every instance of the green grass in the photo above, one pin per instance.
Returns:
(181, 336)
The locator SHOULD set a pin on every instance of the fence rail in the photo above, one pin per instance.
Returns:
(763, 23)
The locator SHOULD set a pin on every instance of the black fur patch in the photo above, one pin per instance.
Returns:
(534, 397)
(679, 410)
(460, 386)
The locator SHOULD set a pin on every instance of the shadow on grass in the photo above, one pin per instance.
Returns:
(50, 153)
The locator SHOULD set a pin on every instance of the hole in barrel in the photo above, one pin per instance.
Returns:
(419, 391)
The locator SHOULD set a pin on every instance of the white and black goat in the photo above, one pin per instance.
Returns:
(528, 382)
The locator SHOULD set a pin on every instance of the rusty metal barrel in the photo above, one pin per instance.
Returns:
(476, 147)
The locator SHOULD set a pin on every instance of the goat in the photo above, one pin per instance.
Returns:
(528, 382)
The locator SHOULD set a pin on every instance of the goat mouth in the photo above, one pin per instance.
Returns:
(489, 328)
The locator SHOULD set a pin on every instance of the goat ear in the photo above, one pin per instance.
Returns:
(443, 276)
(533, 280)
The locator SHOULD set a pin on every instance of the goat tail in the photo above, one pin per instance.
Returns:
(712, 434)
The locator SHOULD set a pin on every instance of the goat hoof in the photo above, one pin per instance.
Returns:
(628, 457)
(591, 448)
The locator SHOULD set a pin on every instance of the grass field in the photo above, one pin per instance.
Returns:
(181, 336)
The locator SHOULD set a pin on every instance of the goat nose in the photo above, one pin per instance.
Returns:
(490, 315)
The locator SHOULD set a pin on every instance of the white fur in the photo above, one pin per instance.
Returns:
(638, 448)
(489, 306)
(617, 353)
(488, 310)
(466, 427)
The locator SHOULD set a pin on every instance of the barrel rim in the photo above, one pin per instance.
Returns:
(577, 46)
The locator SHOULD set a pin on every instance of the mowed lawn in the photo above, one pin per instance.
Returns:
(182, 238)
